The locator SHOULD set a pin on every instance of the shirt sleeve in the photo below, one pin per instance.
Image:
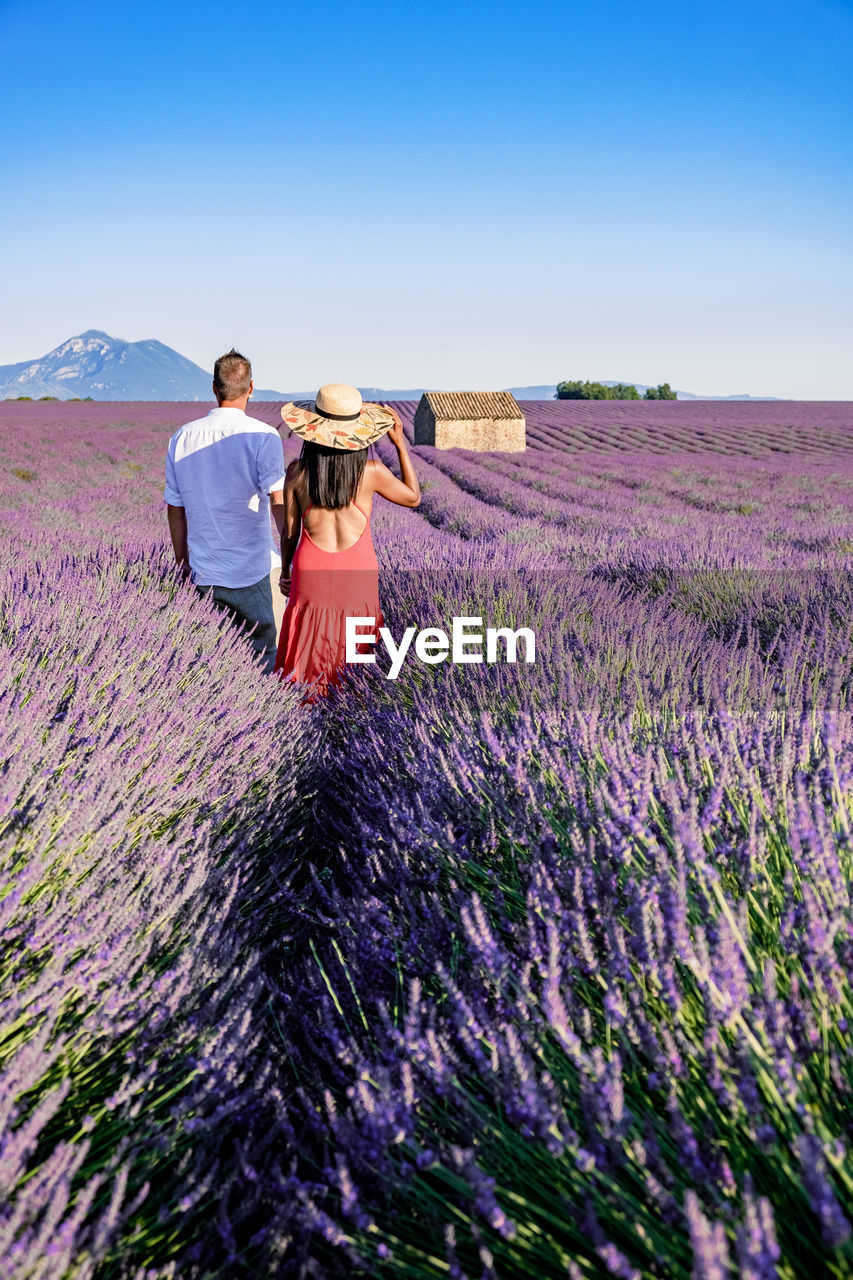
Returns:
(172, 493)
(270, 463)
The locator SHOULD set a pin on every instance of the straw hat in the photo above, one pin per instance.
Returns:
(338, 418)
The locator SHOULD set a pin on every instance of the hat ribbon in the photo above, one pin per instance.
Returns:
(337, 417)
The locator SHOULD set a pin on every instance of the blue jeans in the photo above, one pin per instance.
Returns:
(250, 609)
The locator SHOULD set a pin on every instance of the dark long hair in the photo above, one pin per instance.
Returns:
(333, 474)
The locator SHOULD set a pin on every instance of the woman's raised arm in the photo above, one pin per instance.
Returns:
(405, 492)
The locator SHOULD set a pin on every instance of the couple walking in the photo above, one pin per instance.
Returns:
(225, 479)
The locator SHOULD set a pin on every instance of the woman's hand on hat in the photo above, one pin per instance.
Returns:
(395, 434)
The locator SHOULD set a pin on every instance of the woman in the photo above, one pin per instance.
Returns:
(328, 565)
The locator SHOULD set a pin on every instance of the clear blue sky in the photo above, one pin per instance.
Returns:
(466, 194)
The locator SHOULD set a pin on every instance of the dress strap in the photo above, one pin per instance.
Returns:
(307, 509)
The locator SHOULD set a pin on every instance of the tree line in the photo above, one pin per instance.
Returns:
(619, 391)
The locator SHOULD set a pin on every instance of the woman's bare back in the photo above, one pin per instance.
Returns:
(334, 530)
(339, 529)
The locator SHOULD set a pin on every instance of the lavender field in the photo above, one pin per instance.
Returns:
(493, 971)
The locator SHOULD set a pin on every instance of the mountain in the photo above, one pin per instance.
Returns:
(94, 364)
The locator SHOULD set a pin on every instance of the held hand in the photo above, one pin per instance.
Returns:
(182, 570)
(284, 583)
(395, 435)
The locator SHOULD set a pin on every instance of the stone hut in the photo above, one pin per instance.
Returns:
(482, 420)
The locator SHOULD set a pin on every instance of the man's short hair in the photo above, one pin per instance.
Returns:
(232, 375)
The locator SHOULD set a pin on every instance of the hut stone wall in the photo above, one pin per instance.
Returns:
(487, 421)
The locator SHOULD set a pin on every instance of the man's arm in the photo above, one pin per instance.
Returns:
(271, 474)
(178, 529)
(277, 510)
(176, 514)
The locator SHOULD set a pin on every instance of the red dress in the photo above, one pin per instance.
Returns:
(327, 587)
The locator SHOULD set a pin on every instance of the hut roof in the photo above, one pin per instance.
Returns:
(468, 405)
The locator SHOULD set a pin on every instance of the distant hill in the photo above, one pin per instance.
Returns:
(688, 395)
(547, 391)
(372, 394)
(544, 392)
(105, 368)
(541, 391)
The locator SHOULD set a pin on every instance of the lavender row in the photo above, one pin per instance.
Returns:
(746, 428)
(510, 970)
(142, 759)
(751, 428)
(580, 987)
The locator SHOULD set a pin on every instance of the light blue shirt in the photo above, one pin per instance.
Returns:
(221, 470)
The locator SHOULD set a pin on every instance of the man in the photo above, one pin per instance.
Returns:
(224, 473)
